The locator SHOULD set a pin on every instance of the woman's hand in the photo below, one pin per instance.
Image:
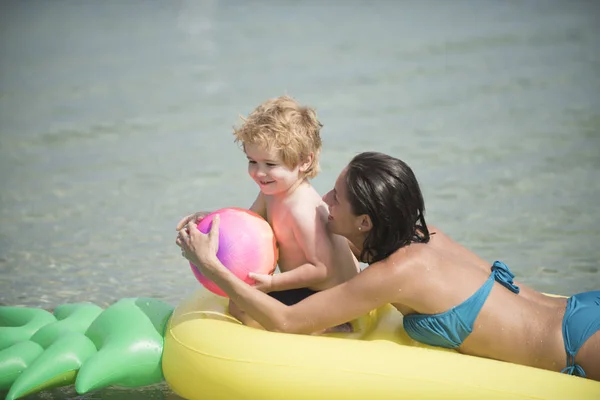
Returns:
(199, 248)
(264, 282)
(182, 225)
(196, 217)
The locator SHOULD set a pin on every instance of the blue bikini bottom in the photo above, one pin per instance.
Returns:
(581, 320)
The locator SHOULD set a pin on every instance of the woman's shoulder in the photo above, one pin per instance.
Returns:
(403, 260)
(437, 237)
(411, 259)
(397, 276)
(435, 231)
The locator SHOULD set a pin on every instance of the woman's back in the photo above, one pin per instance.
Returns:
(441, 275)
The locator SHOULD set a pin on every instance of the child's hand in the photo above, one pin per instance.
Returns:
(196, 217)
(263, 283)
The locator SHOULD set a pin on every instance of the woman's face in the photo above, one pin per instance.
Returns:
(341, 219)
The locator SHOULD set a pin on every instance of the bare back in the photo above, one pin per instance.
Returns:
(305, 207)
(523, 328)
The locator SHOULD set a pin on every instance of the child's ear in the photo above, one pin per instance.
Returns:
(307, 162)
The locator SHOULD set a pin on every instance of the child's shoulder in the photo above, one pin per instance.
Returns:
(313, 211)
(304, 197)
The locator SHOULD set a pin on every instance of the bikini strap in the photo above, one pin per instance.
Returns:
(573, 369)
(504, 277)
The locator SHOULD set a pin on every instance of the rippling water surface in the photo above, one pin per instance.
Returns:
(115, 121)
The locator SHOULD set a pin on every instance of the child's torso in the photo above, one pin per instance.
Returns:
(307, 203)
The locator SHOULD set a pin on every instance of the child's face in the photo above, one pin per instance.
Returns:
(268, 171)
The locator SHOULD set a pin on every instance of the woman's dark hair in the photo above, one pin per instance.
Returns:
(386, 189)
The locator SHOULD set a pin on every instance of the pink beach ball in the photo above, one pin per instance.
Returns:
(246, 244)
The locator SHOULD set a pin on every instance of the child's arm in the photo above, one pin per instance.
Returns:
(260, 206)
(315, 242)
(303, 276)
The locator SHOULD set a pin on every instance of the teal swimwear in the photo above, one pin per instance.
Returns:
(581, 321)
(449, 329)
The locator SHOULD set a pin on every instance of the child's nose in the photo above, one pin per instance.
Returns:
(261, 173)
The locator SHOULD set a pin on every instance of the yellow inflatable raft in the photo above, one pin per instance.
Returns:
(210, 355)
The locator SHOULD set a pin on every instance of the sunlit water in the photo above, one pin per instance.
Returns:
(115, 121)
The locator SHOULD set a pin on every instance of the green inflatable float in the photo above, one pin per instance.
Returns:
(82, 344)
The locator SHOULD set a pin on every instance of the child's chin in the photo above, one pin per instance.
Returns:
(268, 190)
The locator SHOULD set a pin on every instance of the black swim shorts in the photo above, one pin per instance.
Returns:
(292, 296)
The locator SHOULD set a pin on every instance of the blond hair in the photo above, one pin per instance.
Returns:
(283, 125)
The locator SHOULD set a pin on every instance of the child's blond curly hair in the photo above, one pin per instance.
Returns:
(283, 125)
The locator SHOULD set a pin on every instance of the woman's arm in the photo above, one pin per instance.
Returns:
(322, 310)
(368, 290)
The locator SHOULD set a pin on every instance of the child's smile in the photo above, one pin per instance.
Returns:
(268, 171)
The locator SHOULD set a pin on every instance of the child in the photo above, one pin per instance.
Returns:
(282, 142)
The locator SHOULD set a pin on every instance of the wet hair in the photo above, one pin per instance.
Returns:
(283, 125)
(386, 189)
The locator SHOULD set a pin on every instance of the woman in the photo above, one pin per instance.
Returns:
(448, 295)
